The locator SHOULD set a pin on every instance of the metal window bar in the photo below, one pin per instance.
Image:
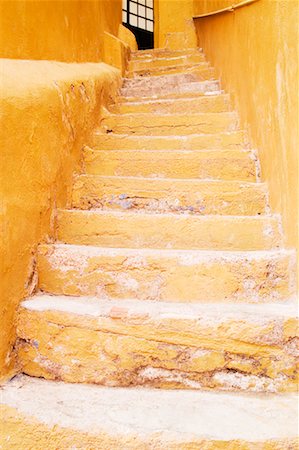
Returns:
(139, 13)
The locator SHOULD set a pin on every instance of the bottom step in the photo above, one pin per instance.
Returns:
(159, 344)
(40, 414)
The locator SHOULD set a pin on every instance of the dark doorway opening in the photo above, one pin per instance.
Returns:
(138, 16)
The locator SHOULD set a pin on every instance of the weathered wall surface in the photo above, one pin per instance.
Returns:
(174, 26)
(48, 111)
(255, 52)
(70, 31)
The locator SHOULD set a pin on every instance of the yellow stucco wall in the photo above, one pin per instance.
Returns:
(48, 110)
(173, 17)
(255, 53)
(57, 30)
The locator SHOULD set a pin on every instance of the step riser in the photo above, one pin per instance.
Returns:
(167, 231)
(159, 352)
(163, 53)
(202, 70)
(167, 125)
(177, 87)
(227, 141)
(178, 196)
(165, 276)
(149, 64)
(214, 104)
(192, 77)
(223, 165)
(171, 97)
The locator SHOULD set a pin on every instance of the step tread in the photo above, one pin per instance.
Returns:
(230, 183)
(259, 276)
(168, 229)
(172, 215)
(187, 256)
(225, 164)
(153, 101)
(170, 415)
(164, 50)
(235, 140)
(183, 151)
(182, 87)
(170, 66)
(97, 307)
(172, 96)
(166, 194)
(168, 58)
(180, 115)
(181, 68)
(170, 124)
(178, 138)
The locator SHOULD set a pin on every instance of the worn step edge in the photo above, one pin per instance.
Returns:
(171, 96)
(196, 68)
(226, 347)
(179, 55)
(165, 195)
(209, 165)
(155, 52)
(169, 124)
(194, 87)
(175, 102)
(188, 80)
(138, 229)
(173, 115)
(179, 60)
(164, 275)
(64, 415)
(204, 141)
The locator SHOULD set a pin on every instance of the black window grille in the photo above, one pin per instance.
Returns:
(139, 14)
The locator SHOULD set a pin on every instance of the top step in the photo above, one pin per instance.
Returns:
(151, 63)
(163, 53)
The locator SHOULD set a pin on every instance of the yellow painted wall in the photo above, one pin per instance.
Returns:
(127, 37)
(69, 31)
(48, 110)
(173, 17)
(255, 52)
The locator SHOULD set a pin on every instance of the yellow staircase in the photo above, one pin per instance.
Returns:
(169, 271)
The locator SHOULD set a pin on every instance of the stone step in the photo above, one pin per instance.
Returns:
(152, 124)
(235, 140)
(205, 104)
(162, 53)
(167, 230)
(208, 164)
(202, 69)
(130, 343)
(167, 275)
(166, 195)
(170, 96)
(191, 76)
(169, 85)
(174, 60)
(68, 415)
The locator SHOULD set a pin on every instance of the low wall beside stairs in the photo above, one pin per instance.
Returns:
(48, 112)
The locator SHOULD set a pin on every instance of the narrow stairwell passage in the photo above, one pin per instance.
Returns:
(169, 272)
